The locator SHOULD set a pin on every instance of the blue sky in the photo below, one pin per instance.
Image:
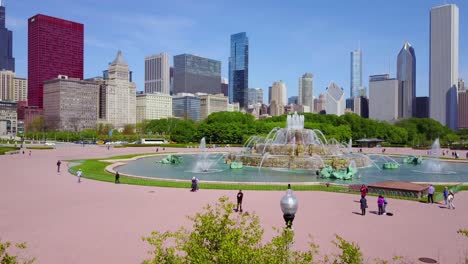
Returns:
(287, 38)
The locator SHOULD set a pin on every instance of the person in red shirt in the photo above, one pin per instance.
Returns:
(364, 190)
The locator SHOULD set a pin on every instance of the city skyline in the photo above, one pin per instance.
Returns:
(175, 27)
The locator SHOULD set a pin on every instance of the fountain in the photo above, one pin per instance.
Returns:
(205, 162)
(297, 148)
(433, 164)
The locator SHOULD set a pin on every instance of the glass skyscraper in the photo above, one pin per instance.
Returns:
(406, 75)
(195, 74)
(356, 73)
(239, 69)
(7, 62)
(443, 67)
(186, 106)
(306, 90)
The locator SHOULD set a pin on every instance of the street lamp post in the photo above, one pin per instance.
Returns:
(289, 205)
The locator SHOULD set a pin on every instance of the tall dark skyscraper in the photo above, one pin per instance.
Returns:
(55, 47)
(406, 75)
(239, 69)
(7, 62)
(195, 74)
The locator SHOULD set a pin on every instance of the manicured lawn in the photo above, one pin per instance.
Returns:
(129, 156)
(94, 169)
(40, 147)
(6, 149)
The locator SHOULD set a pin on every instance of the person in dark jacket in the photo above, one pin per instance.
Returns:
(240, 196)
(363, 202)
(58, 165)
(117, 177)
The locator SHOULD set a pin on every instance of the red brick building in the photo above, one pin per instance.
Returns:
(55, 47)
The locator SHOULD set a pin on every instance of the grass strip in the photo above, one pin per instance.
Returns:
(40, 147)
(3, 150)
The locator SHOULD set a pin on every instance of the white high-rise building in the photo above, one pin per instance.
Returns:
(157, 74)
(278, 93)
(117, 104)
(443, 69)
(306, 91)
(383, 98)
(12, 88)
(211, 103)
(153, 106)
(335, 103)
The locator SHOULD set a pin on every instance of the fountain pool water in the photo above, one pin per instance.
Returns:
(293, 154)
(149, 167)
(433, 163)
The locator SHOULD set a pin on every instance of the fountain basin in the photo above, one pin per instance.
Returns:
(150, 168)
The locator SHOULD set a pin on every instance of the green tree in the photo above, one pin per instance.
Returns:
(129, 129)
(7, 258)
(220, 236)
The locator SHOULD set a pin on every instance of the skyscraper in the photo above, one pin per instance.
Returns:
(117, 98)
(55, 47)
(443, 69)
(356, 73)
(239, 69)
(7, 62)
(406, 76)
(157, 73)
(255, 96)
(278, 93)
(186, 106)
(383, 98)
(195, 74)
(306, 90)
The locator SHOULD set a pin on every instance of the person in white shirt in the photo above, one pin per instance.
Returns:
(430, 194)
(450, 200)
(78, 173)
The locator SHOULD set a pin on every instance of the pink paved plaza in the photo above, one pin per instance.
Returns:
(97, 222)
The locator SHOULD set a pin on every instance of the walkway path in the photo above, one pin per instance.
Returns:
(96, 222)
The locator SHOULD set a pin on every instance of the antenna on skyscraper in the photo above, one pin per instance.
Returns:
(2, 3)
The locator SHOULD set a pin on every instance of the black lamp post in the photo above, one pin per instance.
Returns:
(289, 205)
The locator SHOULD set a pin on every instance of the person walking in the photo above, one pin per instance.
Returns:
(385, 203)
(240, 196)
(430, 194)
(58, 165)
(363, 202)
(446, 194)
(364, 190)
(117, 177)
(380, 204)
(29, 153)
(450, 198)
(194, 184)
(79, 173)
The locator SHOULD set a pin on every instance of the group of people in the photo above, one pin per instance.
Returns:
(449, 196)
(381, 202)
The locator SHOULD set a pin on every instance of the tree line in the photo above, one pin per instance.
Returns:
(237, 127)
